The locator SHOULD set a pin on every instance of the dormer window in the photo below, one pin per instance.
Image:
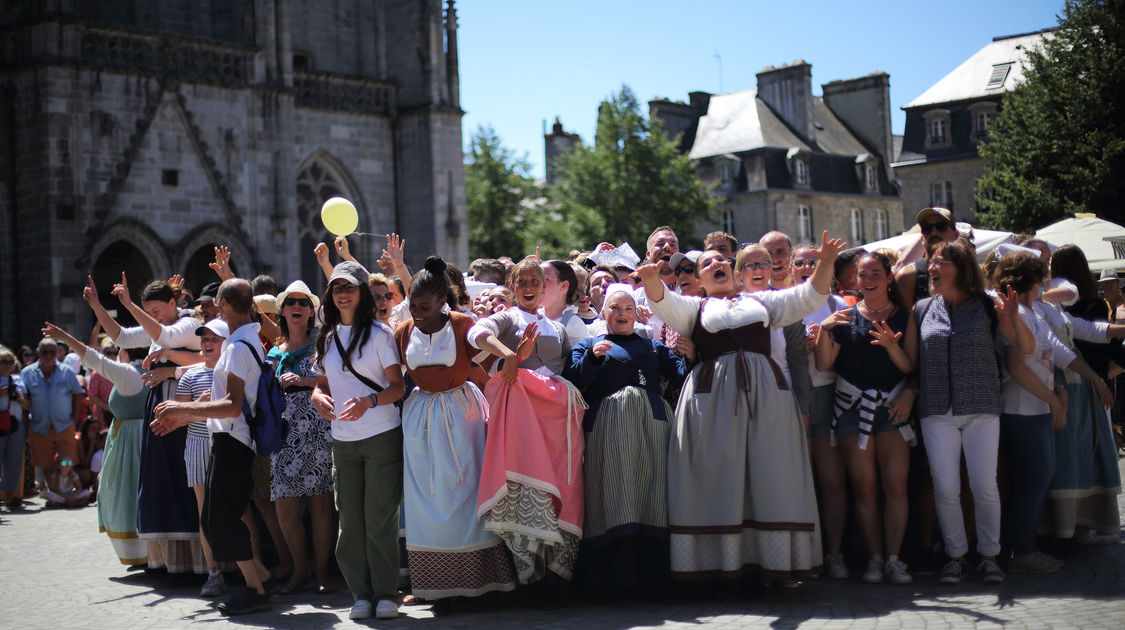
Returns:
(798, 166)
(869, 176)
(998, 75)
(724, 173)
(801, 170)
(983, 113)
(938, 129)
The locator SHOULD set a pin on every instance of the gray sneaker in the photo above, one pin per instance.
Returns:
(214, 586)
(896, 571)
(990, 572)
(951, 573)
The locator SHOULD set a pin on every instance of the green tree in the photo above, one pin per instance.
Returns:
(497, 192)
(1057, 145)
(631, 180)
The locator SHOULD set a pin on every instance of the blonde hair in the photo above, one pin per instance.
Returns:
(746, 251)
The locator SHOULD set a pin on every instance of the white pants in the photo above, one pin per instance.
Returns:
(979, 436)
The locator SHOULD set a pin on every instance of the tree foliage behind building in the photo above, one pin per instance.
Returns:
(630, 180)
(498, 194)
(1057, 145)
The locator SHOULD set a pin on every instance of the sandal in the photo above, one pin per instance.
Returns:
(323, 587)
(296, 585)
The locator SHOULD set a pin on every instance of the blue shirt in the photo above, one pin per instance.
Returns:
(51, 402)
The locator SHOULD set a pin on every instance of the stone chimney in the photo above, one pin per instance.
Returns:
(788, 91)
(864, 105)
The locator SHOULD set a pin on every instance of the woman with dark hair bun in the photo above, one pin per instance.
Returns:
(443, 423)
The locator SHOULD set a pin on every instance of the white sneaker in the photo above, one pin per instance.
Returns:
(896, 571)
(837, 570)
(386, 609)
(874, 572)
(361, 609)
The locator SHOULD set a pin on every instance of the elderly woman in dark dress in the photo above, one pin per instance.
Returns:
(625, 536)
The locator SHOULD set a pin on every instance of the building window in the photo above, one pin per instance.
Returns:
(869, 176)
(937, 131)
(802, 171)
(724, 173)
(983, 119)
(804, 224)
(857, 226)
(882, 228)
(998, 75)
(941, 194)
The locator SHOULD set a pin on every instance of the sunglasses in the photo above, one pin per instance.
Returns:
(289, 301)
(388, 296)
(110, 353)
(805, 262)
(938, 226)
(687, 268)
(7, 361)
(755, 265)
(344, 287)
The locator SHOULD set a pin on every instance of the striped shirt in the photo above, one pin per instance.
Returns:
(194, 382)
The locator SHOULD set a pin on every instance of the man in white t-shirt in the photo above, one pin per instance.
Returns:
(229, 481)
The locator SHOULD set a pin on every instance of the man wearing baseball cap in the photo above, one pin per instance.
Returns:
(937, 226)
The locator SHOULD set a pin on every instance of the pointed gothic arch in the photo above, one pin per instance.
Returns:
(320, 178)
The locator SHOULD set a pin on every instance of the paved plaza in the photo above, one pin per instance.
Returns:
(58, 572)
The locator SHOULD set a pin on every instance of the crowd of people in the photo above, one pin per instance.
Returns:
(607, 421)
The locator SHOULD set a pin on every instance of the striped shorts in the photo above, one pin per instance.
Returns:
(197, 451)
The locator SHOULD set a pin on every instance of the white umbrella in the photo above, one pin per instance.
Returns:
(909, 243)
(1089, 233)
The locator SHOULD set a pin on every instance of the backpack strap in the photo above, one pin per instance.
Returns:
(348, 366)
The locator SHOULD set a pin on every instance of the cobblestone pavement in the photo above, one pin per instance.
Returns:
(58, 572)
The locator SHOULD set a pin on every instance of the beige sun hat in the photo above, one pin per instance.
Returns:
(298, 286)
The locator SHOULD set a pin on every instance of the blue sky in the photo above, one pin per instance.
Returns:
(523, 62)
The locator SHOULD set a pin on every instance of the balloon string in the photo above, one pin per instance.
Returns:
(368, 234)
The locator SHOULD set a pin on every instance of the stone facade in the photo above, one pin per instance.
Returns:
(138, 139)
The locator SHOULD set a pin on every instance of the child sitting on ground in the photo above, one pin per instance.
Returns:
(64, 488)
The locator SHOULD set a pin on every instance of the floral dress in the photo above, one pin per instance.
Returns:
(303, 466)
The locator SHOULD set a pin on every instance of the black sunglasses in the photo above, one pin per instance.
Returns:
(388, 296)
(939, 226)
(289, 301)
(686, 268)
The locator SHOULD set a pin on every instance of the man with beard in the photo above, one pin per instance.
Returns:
(937, 226)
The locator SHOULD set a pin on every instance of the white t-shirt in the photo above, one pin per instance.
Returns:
(834, 303)
(1049, 351)
(237, 359)
(371, 360)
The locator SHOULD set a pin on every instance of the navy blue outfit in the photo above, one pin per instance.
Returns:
(633, 360)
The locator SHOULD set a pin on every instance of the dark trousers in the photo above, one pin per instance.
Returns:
(225, 498)
(1028, 443)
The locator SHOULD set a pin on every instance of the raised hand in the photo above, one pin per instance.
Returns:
(90, 293)
(52, 331)
(343, 248)
(649, 272)
(884, 336)
(830, 248)
(121, 290)
(395, 246)
(321, 253)
(1007, 304)
(221, 265)
(177, 283)
(387, 263)
(835, 319)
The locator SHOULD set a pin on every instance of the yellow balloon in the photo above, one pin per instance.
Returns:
(339, 216)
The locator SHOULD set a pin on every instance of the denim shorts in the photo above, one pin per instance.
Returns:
(848, 424)
(820, 410)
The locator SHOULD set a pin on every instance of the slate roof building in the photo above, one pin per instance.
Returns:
(784, 159)
(137, 135)
(939, 164)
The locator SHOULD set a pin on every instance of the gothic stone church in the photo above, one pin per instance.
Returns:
(136, 135)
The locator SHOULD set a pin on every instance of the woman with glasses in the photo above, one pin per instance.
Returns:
(301, 472)
(531, 479)
(359, 381)
(13, 434)
(26, 356)
(959, 399)
(559, 298)
(740, 489)
(380, 287)
(872, 347)
(450, 552)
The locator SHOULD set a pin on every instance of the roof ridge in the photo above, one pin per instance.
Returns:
(1027, 34)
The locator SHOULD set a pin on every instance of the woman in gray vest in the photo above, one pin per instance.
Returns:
(959, 399)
